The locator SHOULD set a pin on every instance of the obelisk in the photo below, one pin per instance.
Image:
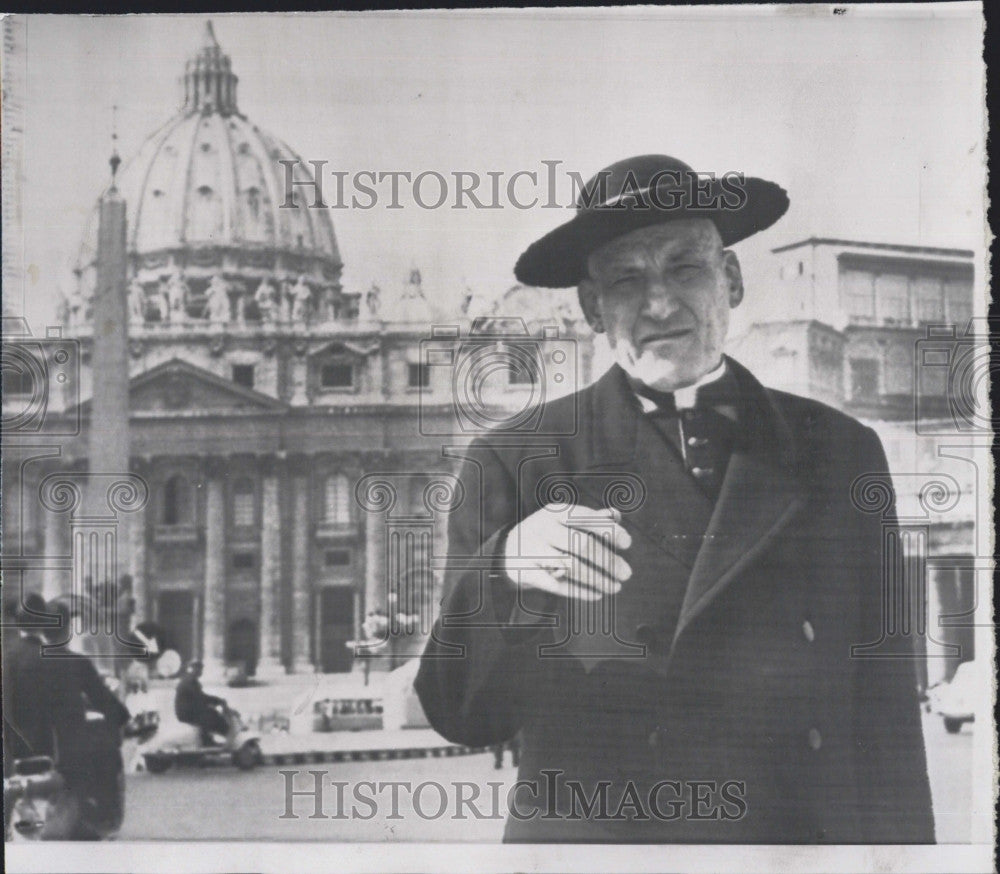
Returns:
(101, 534)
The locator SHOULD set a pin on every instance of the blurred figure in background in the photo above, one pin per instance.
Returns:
(195, 707)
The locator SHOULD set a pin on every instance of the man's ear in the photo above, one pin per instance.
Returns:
(590, 302)
(734, 276)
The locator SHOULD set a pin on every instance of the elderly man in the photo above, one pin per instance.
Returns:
(673, 641)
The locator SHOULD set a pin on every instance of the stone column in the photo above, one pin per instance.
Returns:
(298, 374)
(301, 578)
(270, 569)
(214, 596)
(136, 545)
(55, 580)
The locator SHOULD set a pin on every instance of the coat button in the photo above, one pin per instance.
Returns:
(808, 631)
(815, 738)
(702, 471)
(697, 441)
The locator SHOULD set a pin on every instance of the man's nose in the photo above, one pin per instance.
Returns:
(661, 299)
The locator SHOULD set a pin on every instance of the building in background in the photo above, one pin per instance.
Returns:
(886, 333)
(290, 432)
(294, 434)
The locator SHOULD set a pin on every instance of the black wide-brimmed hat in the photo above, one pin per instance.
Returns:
(642, 191)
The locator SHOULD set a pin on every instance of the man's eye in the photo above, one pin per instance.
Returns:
(623, 281)
(687, 271)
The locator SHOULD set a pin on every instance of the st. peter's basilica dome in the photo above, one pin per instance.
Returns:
(204, 197)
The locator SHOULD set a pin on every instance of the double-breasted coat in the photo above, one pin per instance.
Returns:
(716, 696)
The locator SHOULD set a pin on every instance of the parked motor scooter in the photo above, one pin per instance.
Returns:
(27, 794)
(182, 744)
(40, 805)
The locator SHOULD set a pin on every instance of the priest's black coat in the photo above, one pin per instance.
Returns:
(735, 692)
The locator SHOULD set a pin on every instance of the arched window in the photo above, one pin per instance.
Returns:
(244, 509)
(336, 499)
(253, 202)
(176, 501)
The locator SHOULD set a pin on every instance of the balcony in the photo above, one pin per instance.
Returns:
(331, 530)
(176, 534)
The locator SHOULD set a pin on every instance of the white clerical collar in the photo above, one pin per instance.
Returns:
(684, 398)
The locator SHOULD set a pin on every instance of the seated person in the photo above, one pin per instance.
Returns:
(194, 707)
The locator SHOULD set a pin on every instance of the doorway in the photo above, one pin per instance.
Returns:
(336, 627)
(175, 613)
(241, 645)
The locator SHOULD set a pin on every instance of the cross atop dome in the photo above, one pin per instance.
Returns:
(209, 42)
(209, 82)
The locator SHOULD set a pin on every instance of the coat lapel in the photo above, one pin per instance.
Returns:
(760, 495)
(674, 511)
(623, 448)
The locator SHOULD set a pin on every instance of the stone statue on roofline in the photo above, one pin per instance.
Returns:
(284, 309)
(136, 302)
(373, 300)
(217, 304)
(301, 299)
(176, 298)
(266, 298)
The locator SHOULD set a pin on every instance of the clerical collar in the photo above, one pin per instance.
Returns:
(684, 398)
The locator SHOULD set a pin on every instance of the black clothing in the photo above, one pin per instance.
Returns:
(85, 691)
(29, 688)
(194, 707)
(731, 659)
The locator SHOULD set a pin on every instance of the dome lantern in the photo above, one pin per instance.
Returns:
(205, 194)
(209, 82)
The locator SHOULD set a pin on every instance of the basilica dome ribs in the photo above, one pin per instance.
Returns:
(208, 239)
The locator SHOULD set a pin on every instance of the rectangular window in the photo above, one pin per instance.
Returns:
(243, 510)
(858, 294)
(336, 375)
(928, 300)
(419, 376)
(899, 371)
(892, 296)
(337, 500)
(243, 561)
(864, 379)
(958, 297)
(243, 375)
(337, 557)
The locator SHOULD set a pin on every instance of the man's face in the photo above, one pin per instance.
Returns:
(663, 294)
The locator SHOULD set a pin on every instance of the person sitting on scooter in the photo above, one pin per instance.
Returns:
(195, 707)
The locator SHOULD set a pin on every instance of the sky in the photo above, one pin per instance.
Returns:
(871, 119)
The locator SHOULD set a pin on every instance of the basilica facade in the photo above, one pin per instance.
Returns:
(292, 438)
(294, 441)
